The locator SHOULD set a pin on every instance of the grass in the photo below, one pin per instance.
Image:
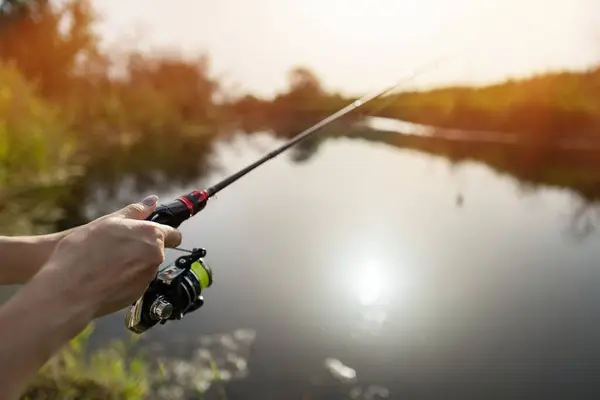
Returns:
(110, 373)
(217, 376)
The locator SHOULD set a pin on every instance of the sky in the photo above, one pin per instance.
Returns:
(358, 46)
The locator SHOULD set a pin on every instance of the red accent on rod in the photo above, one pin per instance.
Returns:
(201, 195)
(187, 203)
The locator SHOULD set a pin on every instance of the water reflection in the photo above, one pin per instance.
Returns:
(340, 371)
(219, 358)
(584, 220)
(374, 392)
(167, 166)
(392, 278)
(372, 284)
(371, 322)
(348, 378)
(359, 253)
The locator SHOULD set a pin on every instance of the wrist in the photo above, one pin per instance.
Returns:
(62, 308)
(52, 283)
(23, 256)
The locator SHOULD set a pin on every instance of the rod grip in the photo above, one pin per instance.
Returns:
(180, 209)
(172, 214)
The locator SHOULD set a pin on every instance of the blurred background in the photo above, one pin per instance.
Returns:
(438, 243)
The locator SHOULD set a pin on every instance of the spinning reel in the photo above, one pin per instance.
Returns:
(175, 292)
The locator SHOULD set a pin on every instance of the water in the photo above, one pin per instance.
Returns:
(429, 280)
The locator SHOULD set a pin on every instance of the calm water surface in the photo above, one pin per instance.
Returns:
(435, 281)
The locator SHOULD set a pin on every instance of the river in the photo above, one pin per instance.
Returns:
(429, 280)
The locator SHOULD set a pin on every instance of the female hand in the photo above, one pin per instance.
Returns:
(108, 263)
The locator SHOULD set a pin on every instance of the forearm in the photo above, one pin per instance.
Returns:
(21, 257)
(34, 324)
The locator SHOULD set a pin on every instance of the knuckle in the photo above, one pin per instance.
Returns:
(109, 227)
(107, 223)
(149, 231)
(156, 230)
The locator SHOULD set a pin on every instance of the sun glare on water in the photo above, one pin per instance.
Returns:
(372, 285)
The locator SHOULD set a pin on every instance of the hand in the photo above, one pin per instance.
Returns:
(108, 263)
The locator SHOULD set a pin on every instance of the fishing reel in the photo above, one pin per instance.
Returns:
(175, 292)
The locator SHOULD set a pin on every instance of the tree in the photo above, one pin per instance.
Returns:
(304, 81)
(47, 42)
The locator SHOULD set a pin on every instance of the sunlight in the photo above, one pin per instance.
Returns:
(372, 285)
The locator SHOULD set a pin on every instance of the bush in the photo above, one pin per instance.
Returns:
(36, 152)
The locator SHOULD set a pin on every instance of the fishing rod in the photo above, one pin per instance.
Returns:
(177, 289)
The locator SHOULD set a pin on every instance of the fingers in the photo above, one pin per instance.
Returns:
(172, 236)
(139, 211)
(169, 236)
(142, 210)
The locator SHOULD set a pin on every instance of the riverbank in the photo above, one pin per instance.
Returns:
(545, 107)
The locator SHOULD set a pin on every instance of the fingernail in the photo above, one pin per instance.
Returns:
(150, 200)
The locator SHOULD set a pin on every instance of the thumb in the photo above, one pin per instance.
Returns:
(141, 210)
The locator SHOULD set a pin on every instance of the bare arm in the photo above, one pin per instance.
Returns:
(34, 324)
(97, 269)
(21, 257)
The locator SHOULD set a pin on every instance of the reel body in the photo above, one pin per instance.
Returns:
(175, 292)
